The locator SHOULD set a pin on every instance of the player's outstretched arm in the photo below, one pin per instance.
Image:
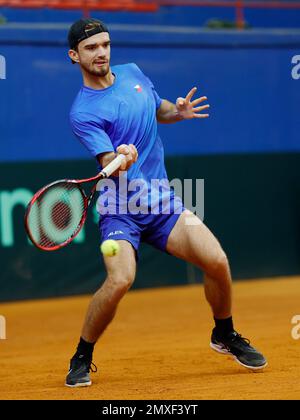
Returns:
(184, 109)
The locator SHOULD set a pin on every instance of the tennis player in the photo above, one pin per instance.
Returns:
(116, 111)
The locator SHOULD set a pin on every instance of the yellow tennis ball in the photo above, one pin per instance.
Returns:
(110, 248)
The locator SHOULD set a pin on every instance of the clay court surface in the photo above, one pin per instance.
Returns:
(156, 348)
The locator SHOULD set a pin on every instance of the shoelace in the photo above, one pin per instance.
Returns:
(93, 368)
(239, 337)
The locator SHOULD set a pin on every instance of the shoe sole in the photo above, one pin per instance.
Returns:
(79, 384)
(221, 350)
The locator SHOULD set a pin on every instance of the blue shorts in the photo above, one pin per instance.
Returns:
(153, 229)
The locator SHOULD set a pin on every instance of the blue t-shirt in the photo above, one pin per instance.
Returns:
(124, 113)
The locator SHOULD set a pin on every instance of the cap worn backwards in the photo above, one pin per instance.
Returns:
(83, 29)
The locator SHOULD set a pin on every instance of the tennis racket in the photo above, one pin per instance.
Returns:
(57, 212)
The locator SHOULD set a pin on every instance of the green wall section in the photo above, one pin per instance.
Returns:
(252, 204)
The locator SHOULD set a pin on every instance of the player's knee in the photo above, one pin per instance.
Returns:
(120, 283)
(219, 267)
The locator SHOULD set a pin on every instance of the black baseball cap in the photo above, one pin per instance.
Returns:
(83, 29)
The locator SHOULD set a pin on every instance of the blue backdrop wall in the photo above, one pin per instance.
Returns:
(247, 77)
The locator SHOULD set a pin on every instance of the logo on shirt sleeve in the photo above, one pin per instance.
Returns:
(138, 88)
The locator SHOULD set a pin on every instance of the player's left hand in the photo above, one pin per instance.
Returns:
(187, 109)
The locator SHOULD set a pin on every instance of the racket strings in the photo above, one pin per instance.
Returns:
(56, 215)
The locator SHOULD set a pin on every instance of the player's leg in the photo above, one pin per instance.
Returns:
(193, 242)
(121, 271)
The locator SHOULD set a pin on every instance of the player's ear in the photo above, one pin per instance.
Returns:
(73, 56)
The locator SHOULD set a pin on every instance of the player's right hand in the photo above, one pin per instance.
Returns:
(131, 154)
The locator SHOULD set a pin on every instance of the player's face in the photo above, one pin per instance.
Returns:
(94, 54)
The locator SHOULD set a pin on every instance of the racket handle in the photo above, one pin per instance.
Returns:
(112, 166)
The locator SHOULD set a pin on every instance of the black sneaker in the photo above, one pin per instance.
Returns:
(79, 373)
(238, 347)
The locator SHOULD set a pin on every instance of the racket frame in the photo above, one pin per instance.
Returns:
(105, 173)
